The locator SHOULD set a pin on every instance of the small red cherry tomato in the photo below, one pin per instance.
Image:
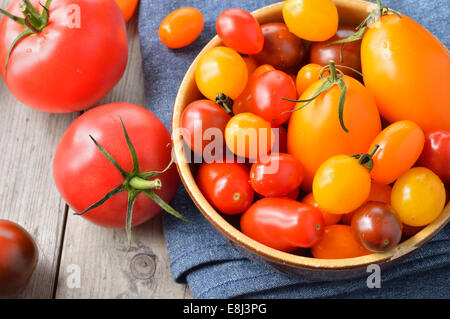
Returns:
(338, 242)
(240, 31)
(268, 92)
(377, 226)
(283, 223)
(436, 154)
(277, 176)
(226, 186)
(328, 218)
(18, 258)
(197, 118)
(181, 27)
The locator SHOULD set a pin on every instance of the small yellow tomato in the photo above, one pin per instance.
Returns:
(221, 70)
(247, 135)
(312, 20)
(418, 197)
(341, 184)
(306, 76)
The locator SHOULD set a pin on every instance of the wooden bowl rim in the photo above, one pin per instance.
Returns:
(236, 236)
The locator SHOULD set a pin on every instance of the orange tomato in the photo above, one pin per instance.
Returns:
(128, 7)
(306, 76)
(407, 70)
(249, 136)
(251, 64)
(181, 27)
(338, 242)
(401, 144)
(244, 102)
(328, 218)
(315, 133)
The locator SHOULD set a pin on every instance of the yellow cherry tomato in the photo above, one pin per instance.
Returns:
(341, 184)
(312, 20)
(247, 135)
(221, 70)
(418, 197)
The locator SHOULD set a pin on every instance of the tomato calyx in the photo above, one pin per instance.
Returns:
(366, 159)
(373, 17)
(135, 183)
(33, 21)
(225, 101)
(336, 77)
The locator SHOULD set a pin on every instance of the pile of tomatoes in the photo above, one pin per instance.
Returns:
(352, 146)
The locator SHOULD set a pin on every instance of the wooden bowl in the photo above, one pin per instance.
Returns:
(351, 12)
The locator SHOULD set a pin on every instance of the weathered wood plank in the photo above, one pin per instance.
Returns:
(106, 268)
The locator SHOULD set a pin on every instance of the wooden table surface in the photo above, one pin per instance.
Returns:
(70, 247)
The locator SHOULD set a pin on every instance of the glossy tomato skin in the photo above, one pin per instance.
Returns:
(338, 242)
(249, 136)
(377, 226)
(418, 197)
(128, 8)
(268, 92)
(400, 145)
(341, 184)
(282, 49)
(226, 186)
(280, 175)
(321, 52)
(18, 258)
(306, 76)
(283, 223)
(61, 69)
(436, 154)
(181, 27)
(315, 134)
(221, 70)
(240, 31)
(312, 20)
(83, 175)
(328, 218)
(399, 48)
(199, 117)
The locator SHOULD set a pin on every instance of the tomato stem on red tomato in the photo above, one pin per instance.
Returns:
(141, 184)
(225, 101)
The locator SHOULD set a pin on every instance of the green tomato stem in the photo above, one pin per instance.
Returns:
(143, 184)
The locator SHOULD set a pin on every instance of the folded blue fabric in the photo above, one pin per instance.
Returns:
(199, 255)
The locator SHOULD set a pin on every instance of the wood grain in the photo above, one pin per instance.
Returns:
(107, 268)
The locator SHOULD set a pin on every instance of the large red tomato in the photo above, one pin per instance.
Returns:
(73, 62)
(18, 258)
(84, 175)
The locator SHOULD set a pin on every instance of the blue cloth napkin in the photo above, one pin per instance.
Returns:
(199, 255)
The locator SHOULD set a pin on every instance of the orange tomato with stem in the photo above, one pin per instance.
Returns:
(128, 8)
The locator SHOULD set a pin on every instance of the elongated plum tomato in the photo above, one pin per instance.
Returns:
(83, 175)
(282, 49)
(268, 93)
(401, 144)
(436, 154)
(226, 186)
(200, 119)
(64, 69)
(128, 8)
(240, 31)
(341, 184)
(399, 48)
(306, 76)
(283, 223)
(278, 176)
(377, 226)
(18, 258)
(328, 218)
(181, 27)
(244, 102)
(221, 70)
(315, 133)
(338, 242)
(247, 135)
(418, 197)
(312, 20)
